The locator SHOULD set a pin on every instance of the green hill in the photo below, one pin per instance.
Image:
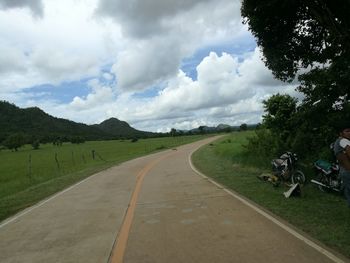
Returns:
(120, 128)
(36, 123)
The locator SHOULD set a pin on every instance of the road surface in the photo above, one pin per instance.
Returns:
(152, 209)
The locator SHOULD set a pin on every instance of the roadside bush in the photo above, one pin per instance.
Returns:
(36, 144)
(288, 126)
(14, 141)
(77, 140)
(264, 144)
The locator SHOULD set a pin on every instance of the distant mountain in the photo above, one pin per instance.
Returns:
(120, 128)
(223, 126)
(35, 122)
(219, 128)
(203, 129)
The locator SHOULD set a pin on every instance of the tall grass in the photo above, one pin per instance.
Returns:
(28, 175)
(325, 216)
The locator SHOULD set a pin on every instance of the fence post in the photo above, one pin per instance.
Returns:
(93, 154)
(30, 167)
(57, 162)
(99, 156)
(73, 161)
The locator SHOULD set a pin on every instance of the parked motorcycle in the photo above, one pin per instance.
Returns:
(285, 169)
(328, 177)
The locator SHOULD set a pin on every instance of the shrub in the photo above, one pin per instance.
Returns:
(14, 141)
(265, 144)
(77, 140)
(134, 139)
(36, 144)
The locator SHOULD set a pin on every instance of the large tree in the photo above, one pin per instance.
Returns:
(308, 40)
(308, 35)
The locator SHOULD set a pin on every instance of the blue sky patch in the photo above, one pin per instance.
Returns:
(64, 92)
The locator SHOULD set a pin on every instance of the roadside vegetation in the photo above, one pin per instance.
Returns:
(31, 174)
(306, 44)
(324, 216)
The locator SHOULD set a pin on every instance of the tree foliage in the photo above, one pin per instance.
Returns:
(243, 127)
(14, 141)
(292, 128)
(36, 144)
(173, 132)
(280, 110)
(297, 34)
(308, 40)
(77, 139)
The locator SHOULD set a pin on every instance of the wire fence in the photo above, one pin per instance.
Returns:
(64, 163)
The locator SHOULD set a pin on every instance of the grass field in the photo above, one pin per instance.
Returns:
(28, 176)
(324, 216)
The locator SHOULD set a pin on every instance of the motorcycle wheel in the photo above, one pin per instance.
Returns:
(322, 179)
(298, 177)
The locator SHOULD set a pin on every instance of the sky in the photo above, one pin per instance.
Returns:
(157, 64)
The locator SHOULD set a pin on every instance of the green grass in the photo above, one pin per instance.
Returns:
(324, 216)
(28, 176)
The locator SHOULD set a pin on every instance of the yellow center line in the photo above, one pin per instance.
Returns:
(122, 239)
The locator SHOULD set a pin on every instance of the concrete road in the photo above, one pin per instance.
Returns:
(152, 209)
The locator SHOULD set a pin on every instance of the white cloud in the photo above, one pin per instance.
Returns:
(163, 33)
(35, 6)
(107, 76)
(222, 81)
(66, 44)
(130, 48)
(100, 95)
(54, 65)
(70, 42)
(224, 92)
(142, 19)
(11, 60)
(147, 64)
